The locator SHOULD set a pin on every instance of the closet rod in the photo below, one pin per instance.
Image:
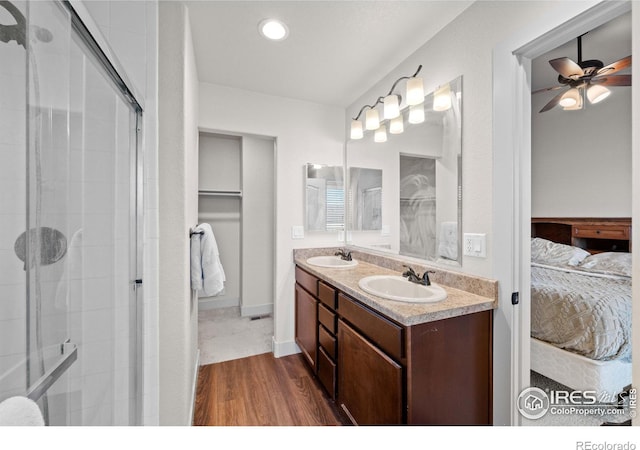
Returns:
(220, 193)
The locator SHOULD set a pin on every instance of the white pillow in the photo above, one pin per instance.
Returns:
(544, 251)
(613, 263)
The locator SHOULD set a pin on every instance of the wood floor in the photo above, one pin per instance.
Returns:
(262, 390)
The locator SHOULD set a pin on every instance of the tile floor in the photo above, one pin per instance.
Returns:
(224, 335)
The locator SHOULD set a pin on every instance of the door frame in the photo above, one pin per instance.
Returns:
(512, 170)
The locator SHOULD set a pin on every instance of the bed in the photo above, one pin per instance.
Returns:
(581, 302)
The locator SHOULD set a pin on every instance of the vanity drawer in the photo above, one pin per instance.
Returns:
(327, 341)
(307, 281)
(327, 373)
(594, 231)
(384, 333)
(327, 294)
(327, 318)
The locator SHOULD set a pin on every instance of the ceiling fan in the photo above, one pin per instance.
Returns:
(584, 77)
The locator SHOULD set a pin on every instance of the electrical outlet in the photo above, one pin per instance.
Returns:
(475, 244)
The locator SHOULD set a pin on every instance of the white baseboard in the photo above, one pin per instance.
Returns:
(284, 348)
(194, 388)
(213, 302)
(256, 310)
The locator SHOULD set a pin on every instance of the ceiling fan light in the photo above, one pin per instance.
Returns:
(570, 98)
(596, 93)
(372, 119)
(356, 129)
(579, 104)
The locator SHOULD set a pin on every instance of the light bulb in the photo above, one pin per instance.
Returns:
(442, 98)
(596, 93)
(372, 119)
(381, 134)
(416, 114)
(579, 103)
(273, 29)
(356, 129)
(396, 126)
(570, 98)
(391, 107)
(415, 91)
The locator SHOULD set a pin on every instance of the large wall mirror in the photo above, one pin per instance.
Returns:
(417, 205)
(324, 197)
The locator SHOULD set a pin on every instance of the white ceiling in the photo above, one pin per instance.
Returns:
(336, 50)
(608, 43)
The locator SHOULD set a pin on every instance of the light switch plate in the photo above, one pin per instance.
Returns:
(475, 244)
(297, 232)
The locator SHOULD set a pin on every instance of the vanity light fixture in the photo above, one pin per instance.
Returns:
(416, 114)
(273, 29)
(442, 98)
(380, 134)
(391, 102)
(396, 126)
(372, 120)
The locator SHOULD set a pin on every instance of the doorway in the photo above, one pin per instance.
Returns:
(512, 174)
(237, 199)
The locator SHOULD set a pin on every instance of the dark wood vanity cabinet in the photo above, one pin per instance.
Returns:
(380, 372)
(306, 310)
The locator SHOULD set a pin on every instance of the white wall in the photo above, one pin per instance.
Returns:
(177, 164)
(581, 160)
(305, 132)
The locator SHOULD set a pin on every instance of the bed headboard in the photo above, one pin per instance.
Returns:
(595, 235)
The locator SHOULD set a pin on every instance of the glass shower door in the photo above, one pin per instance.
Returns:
(75, 251)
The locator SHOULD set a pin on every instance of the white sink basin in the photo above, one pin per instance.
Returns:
(393, 287)
(333, 262)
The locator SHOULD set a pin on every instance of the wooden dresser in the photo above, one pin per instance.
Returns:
(595, 235)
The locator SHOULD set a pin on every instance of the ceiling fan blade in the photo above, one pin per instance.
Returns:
(614, 80)
(567, 68)
(554, 101)
(615, 67)
(553, 88)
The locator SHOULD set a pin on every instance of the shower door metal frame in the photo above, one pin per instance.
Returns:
(86, 29)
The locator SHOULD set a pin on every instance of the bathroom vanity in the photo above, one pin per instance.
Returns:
(390, 362)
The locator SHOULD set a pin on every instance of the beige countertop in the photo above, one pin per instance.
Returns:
(458, 302)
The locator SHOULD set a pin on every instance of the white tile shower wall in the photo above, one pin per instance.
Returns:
(131, 30)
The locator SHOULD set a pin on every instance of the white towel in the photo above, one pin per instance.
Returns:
(448, 245)
(17, 411)
(210, 279)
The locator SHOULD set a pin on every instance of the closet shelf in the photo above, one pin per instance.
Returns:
(216, 193)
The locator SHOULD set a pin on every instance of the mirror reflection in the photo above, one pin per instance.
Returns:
(365, 194)
(324, 197)
(420, 168)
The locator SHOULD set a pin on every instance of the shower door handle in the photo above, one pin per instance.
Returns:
(69, 353)
(136, 284)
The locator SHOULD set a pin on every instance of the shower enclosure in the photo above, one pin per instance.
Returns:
(70, 202)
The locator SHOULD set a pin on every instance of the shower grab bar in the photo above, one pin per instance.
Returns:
(69, 353)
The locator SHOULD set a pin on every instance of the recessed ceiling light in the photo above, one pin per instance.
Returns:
(273, 29)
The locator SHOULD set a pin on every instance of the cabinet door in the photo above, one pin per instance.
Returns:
(307, 325)
(369, 382)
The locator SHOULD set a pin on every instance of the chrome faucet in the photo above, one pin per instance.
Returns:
(344, 254)
(417, 278)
